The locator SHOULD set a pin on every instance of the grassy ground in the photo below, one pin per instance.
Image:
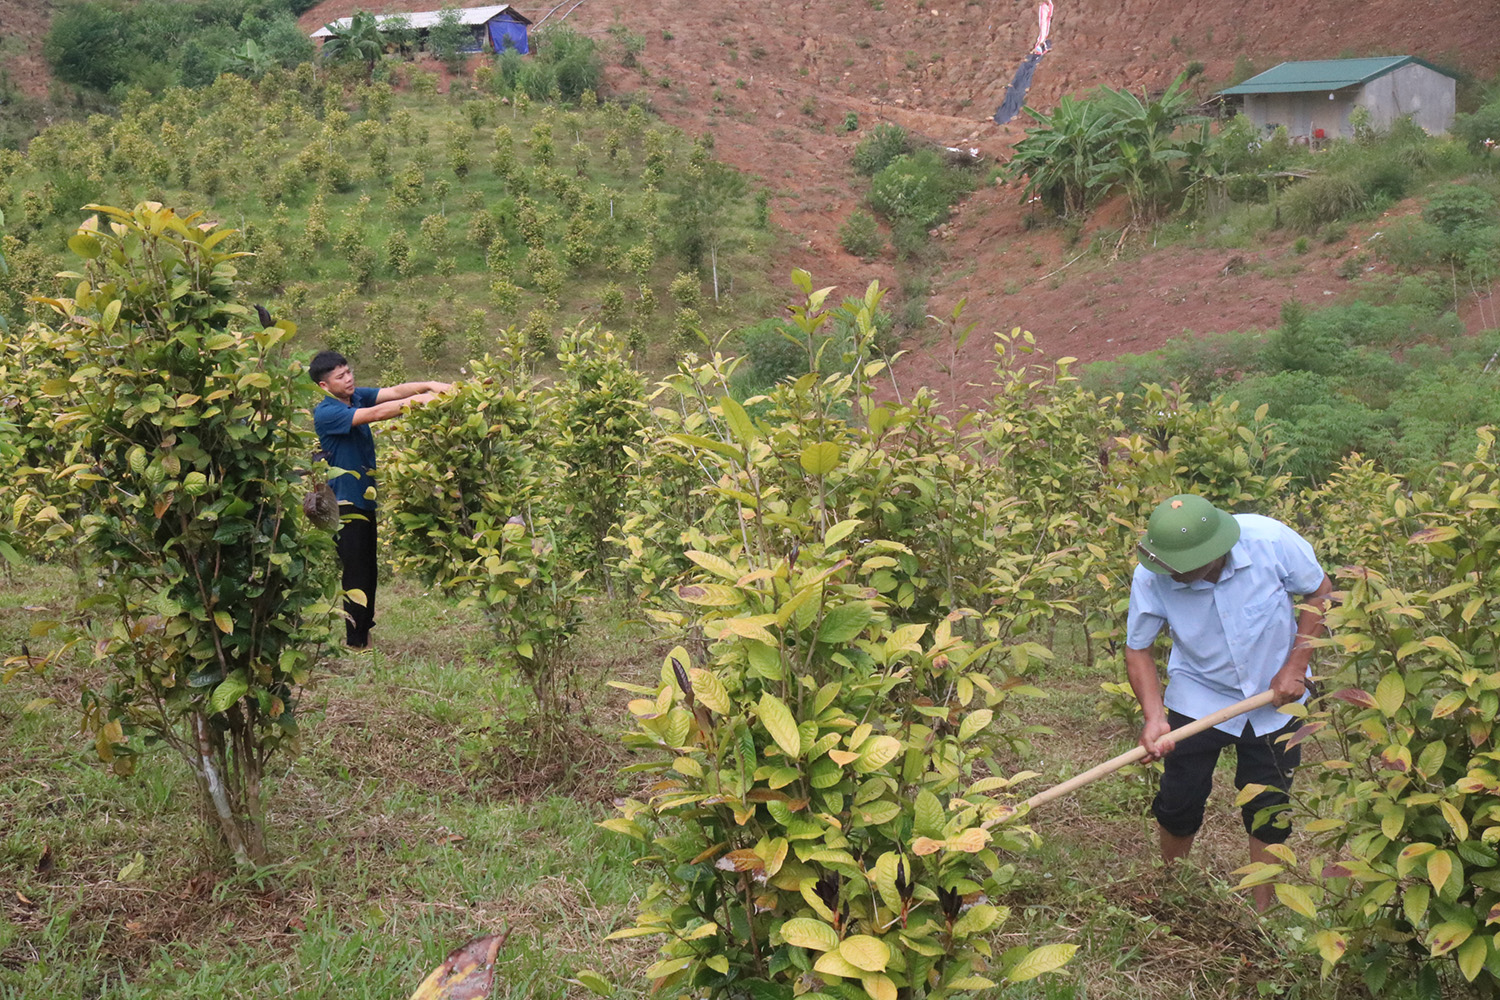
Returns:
(411, 820)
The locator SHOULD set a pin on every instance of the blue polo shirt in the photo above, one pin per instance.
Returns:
(1228, 638)
(348, 447)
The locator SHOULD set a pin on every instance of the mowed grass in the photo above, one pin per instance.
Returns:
(418, 813)
(395, 838)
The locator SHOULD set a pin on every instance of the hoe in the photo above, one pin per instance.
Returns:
(1131, 756)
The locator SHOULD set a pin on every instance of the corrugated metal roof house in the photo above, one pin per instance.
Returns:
(499, 26)
(1316, 97)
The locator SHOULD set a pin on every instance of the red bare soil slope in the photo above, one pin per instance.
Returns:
(773, 81)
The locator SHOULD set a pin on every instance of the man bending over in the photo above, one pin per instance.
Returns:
(1224, 585)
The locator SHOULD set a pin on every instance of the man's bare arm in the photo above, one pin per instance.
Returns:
(408, 389)
(389, 408)
(1140, 668)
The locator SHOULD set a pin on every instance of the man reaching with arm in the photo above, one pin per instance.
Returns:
(342, 421)
(1223, 585)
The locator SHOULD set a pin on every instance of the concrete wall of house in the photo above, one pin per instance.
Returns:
(1428, 97)
(1302, 114)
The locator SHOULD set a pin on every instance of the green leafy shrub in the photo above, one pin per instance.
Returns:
(1402, 877)
(825, 797)
(1478, 126)
(876, 151)
(1457, 206)
(773, 351)
(467, 483)
(860, 235)
(212, 592)
(599, 407)
(1321, 199)
(918, 187)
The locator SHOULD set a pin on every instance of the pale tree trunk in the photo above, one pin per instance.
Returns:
(230, 788)
(713, 254)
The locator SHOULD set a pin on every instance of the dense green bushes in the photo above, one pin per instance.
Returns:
(884, 143)
(563, 64)
(918, 188)
(110, 46)
(1394, 380)
(1112, 140)
(1163, 159)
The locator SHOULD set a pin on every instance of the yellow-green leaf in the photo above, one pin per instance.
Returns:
(974, 723)
(1439, 867)
(1295, 898)
(717, 565)
(778, 721)
(1331, 945)
(593, 982)
(1456, 821)
(224, 621)
(928, 815)
(976, 920)
(864, 952)
(1471, 956)
(229, 691)
(841, 531)
(820, 459)
(1446, 936)
(877, 753)
(1039, 960)
(713, 595)
(85, 245)
(805, 932)
(739, 420)
(710, 690)
(831, 963)
(879, 986)
(1414, 903)
(1448, 704)
(1390, 693)
(748, 628)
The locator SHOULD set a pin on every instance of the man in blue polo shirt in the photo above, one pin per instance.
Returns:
(342, 421)
(1224, 585)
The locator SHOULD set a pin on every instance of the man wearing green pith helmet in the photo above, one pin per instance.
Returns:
(1227, 586)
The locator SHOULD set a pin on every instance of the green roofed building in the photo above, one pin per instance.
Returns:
(1314, 99)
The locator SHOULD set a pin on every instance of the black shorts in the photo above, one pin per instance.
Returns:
(1259, 760)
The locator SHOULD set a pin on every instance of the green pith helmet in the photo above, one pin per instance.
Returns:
(1185, 533)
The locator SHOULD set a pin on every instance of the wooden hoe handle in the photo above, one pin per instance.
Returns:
(1131, 756)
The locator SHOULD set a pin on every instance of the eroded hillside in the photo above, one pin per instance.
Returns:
(774, 83)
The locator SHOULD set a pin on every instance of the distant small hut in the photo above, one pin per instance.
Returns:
(1315, 99)
(489, 28)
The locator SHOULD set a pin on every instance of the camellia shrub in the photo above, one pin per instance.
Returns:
(1402, 880)
(469, 484)
(183, 435)
(826, 815)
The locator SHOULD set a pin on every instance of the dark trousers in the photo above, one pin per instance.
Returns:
(356, 544)
(1188, 776)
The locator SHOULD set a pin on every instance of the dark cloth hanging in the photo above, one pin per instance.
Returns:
(1015, 91)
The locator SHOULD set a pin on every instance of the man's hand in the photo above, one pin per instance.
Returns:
(421, 397)
(1290, 683)
(437, 388)
(1151, 740)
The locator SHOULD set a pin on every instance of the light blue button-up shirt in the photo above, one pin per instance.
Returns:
(1228, 638)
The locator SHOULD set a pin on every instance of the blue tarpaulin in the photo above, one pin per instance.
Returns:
(512, 33)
